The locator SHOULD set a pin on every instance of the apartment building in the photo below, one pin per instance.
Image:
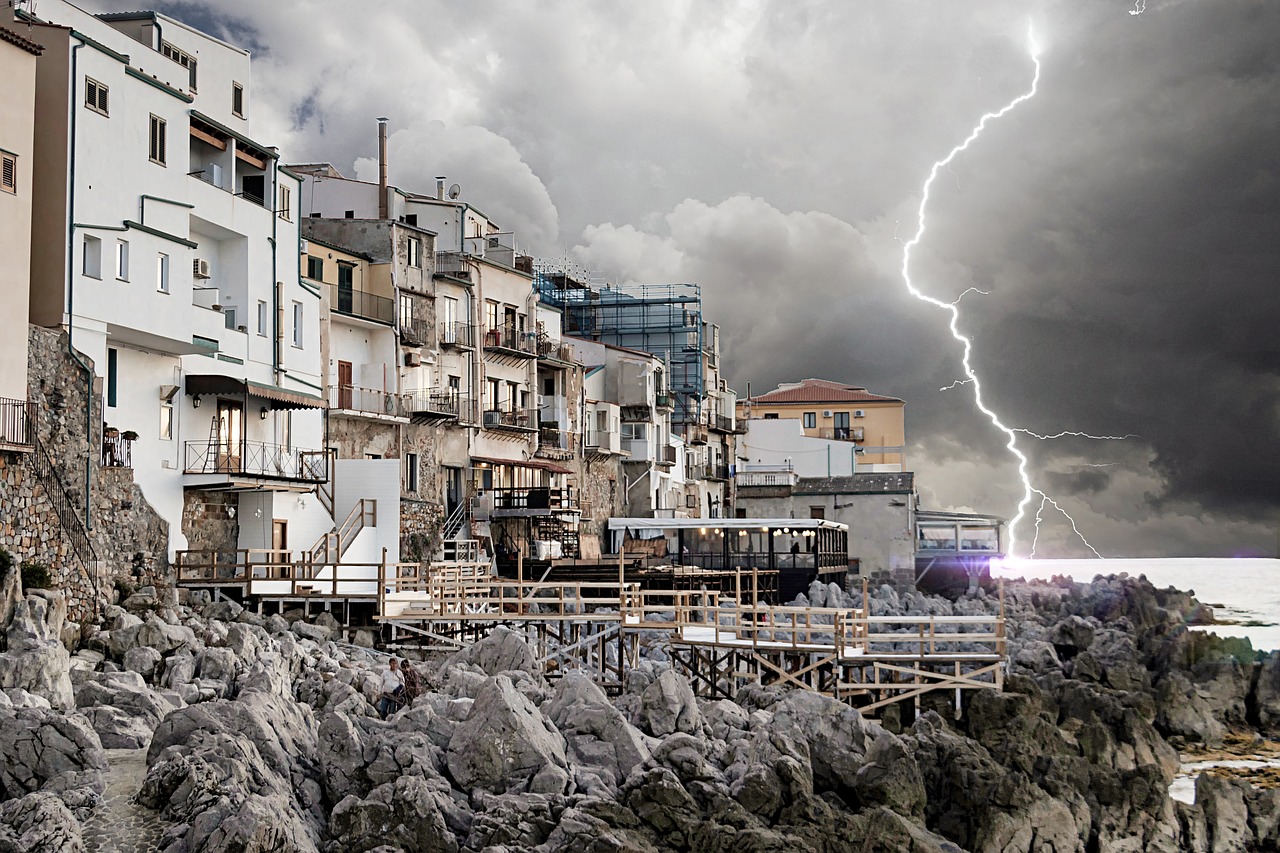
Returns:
(164, 240)
(18, 56)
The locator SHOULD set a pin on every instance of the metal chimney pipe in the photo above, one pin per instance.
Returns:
(440, 179)
(382, 168)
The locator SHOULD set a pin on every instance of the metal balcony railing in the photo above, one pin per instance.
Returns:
(508, 337)
(841, 433)
(367, 401)
(17, 418)
(551, 438)
(117, 450)
(720, 423)
(442, 402)
(516, 419)
(666, 455)
(664, 401)
(715, 472)
(415, 331)
(256, 459)
(358, 303)
(453, 264)
(537, 497)
(457, 334)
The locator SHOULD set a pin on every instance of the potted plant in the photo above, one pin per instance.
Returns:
(129, 435)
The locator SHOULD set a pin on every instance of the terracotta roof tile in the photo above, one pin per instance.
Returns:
(24, 43)
(821, 391)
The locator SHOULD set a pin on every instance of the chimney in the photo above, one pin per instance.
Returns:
(382, 168)
(440, 187)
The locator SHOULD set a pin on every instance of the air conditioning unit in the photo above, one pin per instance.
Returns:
(200, 268)
(412, 359)
(859, 413)
(826, 413)
(493, 418)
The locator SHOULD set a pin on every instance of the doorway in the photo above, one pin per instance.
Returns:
(279, 547)
(344, 385)
(230, 435)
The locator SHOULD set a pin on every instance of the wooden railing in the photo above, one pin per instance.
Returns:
(330, 547)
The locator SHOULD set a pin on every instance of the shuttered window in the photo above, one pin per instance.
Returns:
(8, 173)
(237, 100)
(157, 151)
(95, 96)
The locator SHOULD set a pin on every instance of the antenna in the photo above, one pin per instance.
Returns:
(455, 191)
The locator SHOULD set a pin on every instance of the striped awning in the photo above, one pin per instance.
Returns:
(202, 384)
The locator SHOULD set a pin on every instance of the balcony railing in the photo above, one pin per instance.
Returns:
(256, 459)
(457, 334)
(367, 401)
(715, 472)
(17, 420)
(765, 475)
(441, 402)
(514, 419)
(415, 331)
(549, 347)
(117, 450)
(358, 303)
(841, 433)
(666, 455)
(454, 264)
(553, 439)
(720, 423)
(507, 337)
(533, 498)
(664, 401)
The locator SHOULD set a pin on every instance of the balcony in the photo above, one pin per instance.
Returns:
(665, 402)
(765, 476)
(695, 434)
(841, 433)
(358, 303)
(666, 456)
(537, 500)
(117, 448)
(453, 265)
(554, 443)
(17, 424)
(367, 401)
(510, 341)
(437, 403)
(256, 459)
(603, 441)
(554, 350)
(415, 332)
(457, 335)
(515, 420)
(720, 423)
(715, 472)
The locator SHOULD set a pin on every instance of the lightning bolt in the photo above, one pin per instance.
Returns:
(970, 290)
(1066, 433)
(1035, 540)
(952, 308)
(956, 384)
(1139, 7)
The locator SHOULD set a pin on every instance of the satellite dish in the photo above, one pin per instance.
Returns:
(455, 191)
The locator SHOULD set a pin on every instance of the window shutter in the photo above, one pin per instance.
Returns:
(102, 98)
(9, 176)
(161, 157)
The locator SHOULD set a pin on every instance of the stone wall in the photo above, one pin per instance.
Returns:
(129, 538)
(420, 529)
(208, 522)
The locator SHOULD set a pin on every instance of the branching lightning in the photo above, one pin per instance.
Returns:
(1139, 7)
(1075, 434)
(970, 290)
(955, 384)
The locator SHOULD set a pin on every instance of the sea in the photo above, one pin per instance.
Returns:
(1244, 592)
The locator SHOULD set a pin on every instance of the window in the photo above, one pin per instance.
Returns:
(350, 214)
(810, 420)
(113, 379)
(411, 472)
(513, 394)
(229, 318)
(315, 268)
(162, 273)
(122, 260)
(157, 142)
(406, 311)
(166, 420)
(415, 252)
(95, 96)
(493, 393)
(411, 219)
(92, 256)
(237, 100)
(283, 208)
(297, 325)
(455, 383)
(817, 512)
(185, 60)
(346, 288)
(634, 431)
(771, 416)
(549, 385)
(262, 318)
(8, 173)
(841, 425)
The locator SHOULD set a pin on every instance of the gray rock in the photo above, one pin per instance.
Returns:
(599, 738)
(222, 610)
(315, 633)
(837, 735)
(668, 705)
(44, 670)
(502, 650)
(142, 660)
(39, 823)
(48, 751)
(506, 744)
(409, 813)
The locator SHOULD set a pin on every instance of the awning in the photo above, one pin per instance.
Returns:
(202, 384)
(540, 464)
(725, 523)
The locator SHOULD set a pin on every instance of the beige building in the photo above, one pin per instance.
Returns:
(873, 423)
(17, 129)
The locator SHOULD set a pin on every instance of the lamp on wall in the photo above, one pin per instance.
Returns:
(195, 402)
(263, 413)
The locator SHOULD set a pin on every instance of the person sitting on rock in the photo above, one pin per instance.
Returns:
(392, 689)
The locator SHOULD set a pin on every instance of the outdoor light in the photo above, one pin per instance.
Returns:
(195, 402)
(263, 413)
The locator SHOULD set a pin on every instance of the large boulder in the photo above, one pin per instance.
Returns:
(1267, 692)
(123, 710)
(36, 660)
(502, 650)
(601, 742)
(38, 823)
(836, 734)
(668, 705)
(44, 750)
(506, 744)
(409, 814)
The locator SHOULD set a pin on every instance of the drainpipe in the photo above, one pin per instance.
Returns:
(71, 291)
(382, 168)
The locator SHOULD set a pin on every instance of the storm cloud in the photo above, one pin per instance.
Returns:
(1123, 222)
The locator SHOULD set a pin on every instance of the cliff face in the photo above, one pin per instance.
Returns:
(261, 734)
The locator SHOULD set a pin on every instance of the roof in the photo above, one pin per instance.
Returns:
(525, 463)
(24, 43)
(820, 391)
(858, 484)
(328, 244)
(139, 15)
(724, 523)
(947, 515)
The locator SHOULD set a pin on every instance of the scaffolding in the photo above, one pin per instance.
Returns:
(664, 320)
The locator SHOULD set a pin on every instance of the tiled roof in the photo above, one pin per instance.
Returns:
(26, 44)
(125, 16)
(821, 391)
(858, 484)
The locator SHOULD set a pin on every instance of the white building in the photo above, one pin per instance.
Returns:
(166, 242)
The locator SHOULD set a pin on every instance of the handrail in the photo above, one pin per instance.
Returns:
(256, 458)
(64, 508)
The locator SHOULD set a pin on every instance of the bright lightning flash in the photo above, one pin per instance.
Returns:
(1029, 490)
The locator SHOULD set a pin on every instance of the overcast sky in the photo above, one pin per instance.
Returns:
(1125, 220)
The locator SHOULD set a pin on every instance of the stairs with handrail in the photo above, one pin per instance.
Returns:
(330, 547)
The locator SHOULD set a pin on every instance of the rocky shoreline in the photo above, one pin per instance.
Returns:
(261, 735)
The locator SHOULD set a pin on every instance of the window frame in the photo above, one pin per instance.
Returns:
(176, 54)
(122, 260)
(318, 260)
(263, 318)
(237, 99)
(157, 140)
(810, 420)
(103, 97)
(415, 252)
(9, 163)
(411, 473)
(298, 317)
(162, 272)
(285, 205)
(166, 420)
(92, 244)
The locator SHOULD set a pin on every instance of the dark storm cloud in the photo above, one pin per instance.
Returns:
(1123, 221)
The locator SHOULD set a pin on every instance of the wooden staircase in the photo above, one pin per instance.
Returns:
(330, 547)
